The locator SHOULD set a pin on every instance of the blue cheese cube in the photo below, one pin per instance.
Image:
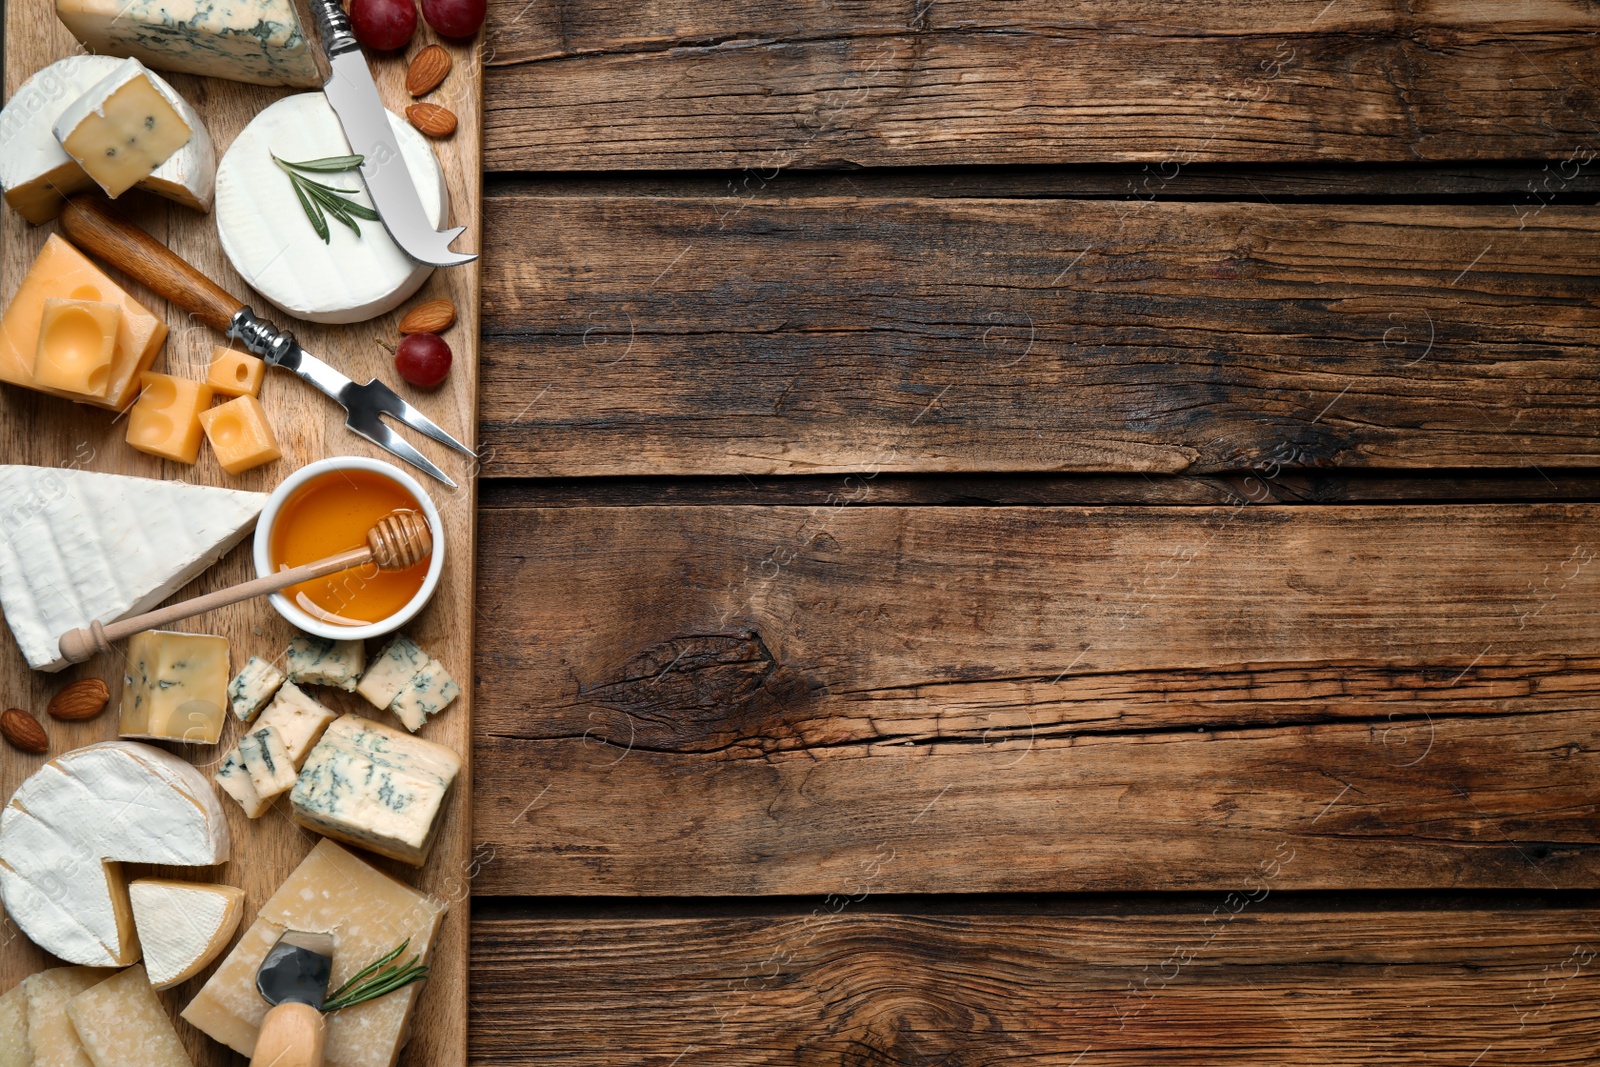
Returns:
(253, 687)
(428, 693)
(267, 761)
(392, 671)
(318, 661)
(235, 781)
(299, 720)
(376, 788)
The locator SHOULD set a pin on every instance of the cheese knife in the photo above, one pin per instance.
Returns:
(354, 97)
(293, 978)
(95, 228)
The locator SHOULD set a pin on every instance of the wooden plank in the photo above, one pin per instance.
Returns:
(680, 85)
(712, 700)
(1228, 980)
(51, 432)
(809, 335)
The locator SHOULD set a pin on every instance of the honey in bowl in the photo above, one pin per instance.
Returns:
(332, 513)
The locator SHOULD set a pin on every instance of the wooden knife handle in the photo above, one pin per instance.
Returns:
(95, 228)
(292, 1035)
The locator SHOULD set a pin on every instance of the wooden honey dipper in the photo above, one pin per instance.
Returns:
(400, 539)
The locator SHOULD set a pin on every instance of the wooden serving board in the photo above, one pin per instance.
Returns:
(45, 431)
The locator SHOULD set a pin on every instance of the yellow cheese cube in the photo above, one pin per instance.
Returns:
(77, 343)
(240, 434)
(122, 129)
(235, 373)
(165, 421)
(62, 272)
(175, 686)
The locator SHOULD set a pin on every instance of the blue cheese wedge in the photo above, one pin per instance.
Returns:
(392, 671)
(319, 661)
(122, 129)
(376, 788)
(299, 719)
(253, 687)
(267, 761)
(429, 692)
(258, 41)
(234, 780)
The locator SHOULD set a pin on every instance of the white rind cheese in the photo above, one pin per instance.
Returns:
(392, 671)
(72, 823)
(269, 240)
(429, 692)
(319, 661)
(76, 547)
(256, 41)
(122, 129)
(253, 687)
(38, 174)
(183, 926)
(376, 788)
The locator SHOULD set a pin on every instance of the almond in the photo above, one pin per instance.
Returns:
(83, 699)
(431, 119)
(434, 316)
(24, 731)
(427, 70)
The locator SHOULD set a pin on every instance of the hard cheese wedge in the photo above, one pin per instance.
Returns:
(14, 1051)
(52, 1039)
(122, 129)
(369, 914)
(258, 41)
(120, 1023)
(175, 687)
(38, 174)
(77, 546)
(183, 925)
(62, 272)
(71, 825)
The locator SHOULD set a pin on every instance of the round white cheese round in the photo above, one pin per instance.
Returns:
(270, 241)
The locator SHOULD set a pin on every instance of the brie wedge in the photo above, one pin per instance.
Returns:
(270, 241)
(38, 174)
(76, 547)
(71, 825)
(182, 926)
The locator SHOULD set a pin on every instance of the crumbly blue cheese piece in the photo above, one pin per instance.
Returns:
(428, 693)
(299, 719)
(253, 687)
(267, 761)
(392, 671)
(234, 780)
(376, 788)
(319, 661)
(258, 41)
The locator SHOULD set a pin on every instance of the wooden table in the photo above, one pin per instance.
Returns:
(1038, 533)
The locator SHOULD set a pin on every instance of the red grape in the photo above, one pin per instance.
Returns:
(423, 359)
(383, 25)
(455, 18)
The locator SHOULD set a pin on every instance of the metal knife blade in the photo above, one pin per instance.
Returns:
(354, 97)
(296, 969)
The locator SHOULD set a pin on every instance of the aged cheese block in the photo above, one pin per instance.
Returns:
(183, 925)
(120, 1023)
(165, 420)
(369, 914)
(258, 41)
(14, 1050)
(77, 347)
(52, 1039)
(74, 821)
(122, 129)
(240, 435)
(253, 687)
(61, 271)
(175, 687)
(233, 373)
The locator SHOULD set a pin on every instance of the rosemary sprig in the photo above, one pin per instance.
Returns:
(319, 200)
(378, 978)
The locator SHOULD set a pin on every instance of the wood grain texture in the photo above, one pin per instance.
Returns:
(1226, 981)
(50, 432)
(705, 701)
(676, 84)
(736, 335)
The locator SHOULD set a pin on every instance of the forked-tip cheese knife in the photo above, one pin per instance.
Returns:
(293, 978)
(96, 229)
(354, 97)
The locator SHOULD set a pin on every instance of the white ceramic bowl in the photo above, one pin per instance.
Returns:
(263, 541)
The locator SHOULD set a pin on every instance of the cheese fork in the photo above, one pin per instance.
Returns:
(95, 228)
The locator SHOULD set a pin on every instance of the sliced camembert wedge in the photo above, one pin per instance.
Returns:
(70, 826)
(183, 925)
(76, 547)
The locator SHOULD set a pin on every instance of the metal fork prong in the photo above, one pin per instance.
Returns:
(383, 437)
(397, 406)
